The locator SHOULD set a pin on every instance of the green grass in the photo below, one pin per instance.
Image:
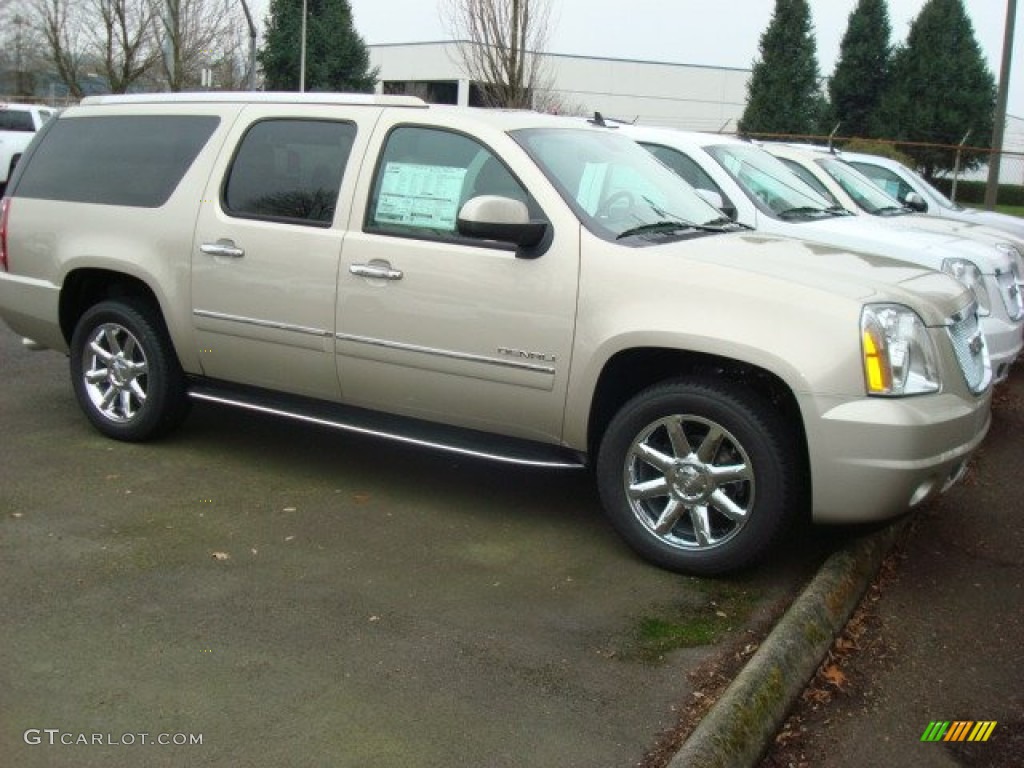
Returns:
(724, 606)
(1013, 210)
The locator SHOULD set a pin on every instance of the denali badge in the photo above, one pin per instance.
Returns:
(524, 355)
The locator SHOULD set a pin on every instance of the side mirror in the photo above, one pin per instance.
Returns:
(491, 217)
(915, 202)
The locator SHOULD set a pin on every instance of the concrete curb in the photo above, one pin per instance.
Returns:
(740, 726)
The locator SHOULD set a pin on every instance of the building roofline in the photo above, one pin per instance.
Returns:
(569, 55)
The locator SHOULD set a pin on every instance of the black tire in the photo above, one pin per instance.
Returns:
(720, 471)
(125, 372)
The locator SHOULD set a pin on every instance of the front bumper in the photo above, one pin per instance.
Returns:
(875, 458)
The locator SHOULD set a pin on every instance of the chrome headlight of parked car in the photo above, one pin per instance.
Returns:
(899, 355)
(968, 273)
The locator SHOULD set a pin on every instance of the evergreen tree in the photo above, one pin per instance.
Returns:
(336, 56)
(784, 95)
(940, 88)
(859, 80)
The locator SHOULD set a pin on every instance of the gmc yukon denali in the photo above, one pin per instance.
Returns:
(507, 285)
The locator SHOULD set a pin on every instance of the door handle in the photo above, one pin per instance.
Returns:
(376, 268)
(222, 247)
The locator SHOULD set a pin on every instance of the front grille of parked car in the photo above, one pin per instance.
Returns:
(1010, 290)
(971, 350)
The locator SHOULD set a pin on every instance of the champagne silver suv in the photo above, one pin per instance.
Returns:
(506, 285)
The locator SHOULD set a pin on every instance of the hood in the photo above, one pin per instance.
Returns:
(972, 230)
(1012, 224)
(928, 248)
(856, 275)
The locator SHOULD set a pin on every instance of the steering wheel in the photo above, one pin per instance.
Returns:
(616, 205)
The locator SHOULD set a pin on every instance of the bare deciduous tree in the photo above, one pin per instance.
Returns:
(500, 42)
(194, 34)
(63, 30)
(122, 41)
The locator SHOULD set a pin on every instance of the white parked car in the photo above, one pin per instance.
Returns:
(18, 124)
(755, 189)
(913, 190)
(838, 181)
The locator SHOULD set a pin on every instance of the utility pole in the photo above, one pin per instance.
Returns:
(302, 54)
(992, 187)
(252, 46)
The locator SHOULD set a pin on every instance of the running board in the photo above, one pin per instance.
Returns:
(424, 434)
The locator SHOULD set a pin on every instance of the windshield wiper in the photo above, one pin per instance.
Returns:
(805, 212)
(657, 226)
(893, 210)
(725, 223)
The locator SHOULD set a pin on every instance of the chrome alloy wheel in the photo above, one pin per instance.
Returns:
(115, 372)
(689, 482)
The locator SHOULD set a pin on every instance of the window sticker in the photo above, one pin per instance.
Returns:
(418, 195)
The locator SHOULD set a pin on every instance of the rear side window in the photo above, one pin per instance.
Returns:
(129, 160)
(16, 120)
(289, 170)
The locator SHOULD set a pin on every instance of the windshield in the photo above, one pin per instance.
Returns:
(863, 191)
(616, 187)
(770, 184)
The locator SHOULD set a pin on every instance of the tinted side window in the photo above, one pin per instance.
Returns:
(289, 170)
(16, 120)
(426, 174)
(119, 160)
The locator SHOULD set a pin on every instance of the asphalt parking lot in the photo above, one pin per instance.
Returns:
(290, 596)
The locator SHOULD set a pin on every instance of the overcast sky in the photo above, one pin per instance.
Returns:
(712, 32)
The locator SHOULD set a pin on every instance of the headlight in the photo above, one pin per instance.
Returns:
(1016, 261)
(899, 356)
(967, 272)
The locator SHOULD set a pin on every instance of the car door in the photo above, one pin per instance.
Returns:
(266, 251)
(449, 328)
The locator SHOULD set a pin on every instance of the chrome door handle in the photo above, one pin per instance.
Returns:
(376, 268)
(222, 248)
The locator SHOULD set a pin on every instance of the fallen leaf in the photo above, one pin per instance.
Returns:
(221, 556)
(834, 676)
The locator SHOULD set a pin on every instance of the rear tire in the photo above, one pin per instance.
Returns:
(699, 476)
(125, 372)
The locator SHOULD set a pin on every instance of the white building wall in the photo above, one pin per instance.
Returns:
(654, 93)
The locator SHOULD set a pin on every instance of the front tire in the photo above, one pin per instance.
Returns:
(125, 373)
(699, 476)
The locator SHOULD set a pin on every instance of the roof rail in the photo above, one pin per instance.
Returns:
(262, 97)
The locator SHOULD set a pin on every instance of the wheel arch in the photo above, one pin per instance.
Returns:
(631, 371)
(85, 287)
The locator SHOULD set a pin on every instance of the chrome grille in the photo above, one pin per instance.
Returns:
(971, 350)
